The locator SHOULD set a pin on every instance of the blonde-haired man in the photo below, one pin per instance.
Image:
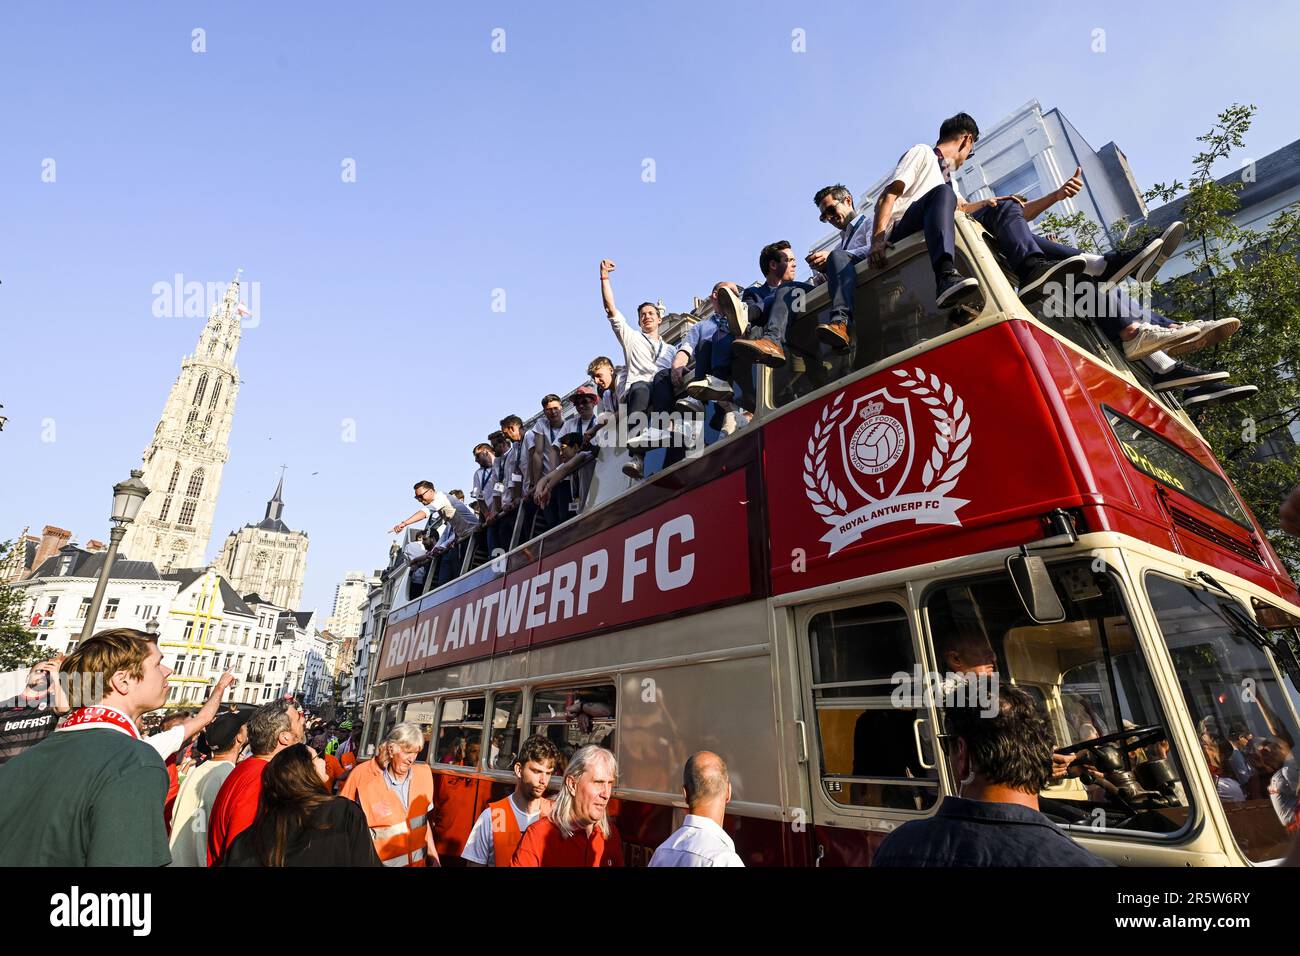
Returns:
(91, 793)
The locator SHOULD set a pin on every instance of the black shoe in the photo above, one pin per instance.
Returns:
(1183, 376)
(1204, 395)
(1037, 272)
(952, 289)
(1121, 267)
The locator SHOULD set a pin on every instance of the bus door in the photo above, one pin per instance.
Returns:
(869, 739)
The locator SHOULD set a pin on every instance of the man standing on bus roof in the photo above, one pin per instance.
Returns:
(578, 831)
(645, 355)
(480, 489)
(438, 508)
(501, 826)
(1001, 764)
(700, 840)
(543, 440)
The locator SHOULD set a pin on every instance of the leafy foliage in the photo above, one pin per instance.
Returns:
(17, 644)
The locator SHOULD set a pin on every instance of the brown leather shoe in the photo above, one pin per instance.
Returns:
(836, 335)
(764, 351)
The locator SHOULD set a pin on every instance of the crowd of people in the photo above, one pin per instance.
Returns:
(528, 481)
(246, 786)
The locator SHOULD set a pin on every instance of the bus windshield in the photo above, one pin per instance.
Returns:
(1114, 768)
(1243, 718)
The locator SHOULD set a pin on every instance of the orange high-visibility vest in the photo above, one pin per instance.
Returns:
(505, 829)
(400, 835)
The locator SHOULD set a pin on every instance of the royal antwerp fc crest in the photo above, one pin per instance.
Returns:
(898, 450)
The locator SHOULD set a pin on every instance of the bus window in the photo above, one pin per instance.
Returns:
(574, 717)
(892, 311)
(868, 744)
(1244, 721)
(460, 732)
(421, 712)
(507, 725)
(371, 742)
(1115, 768)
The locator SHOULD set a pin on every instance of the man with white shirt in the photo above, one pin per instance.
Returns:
(438, 508)
(645, 354)
(480, 489)
(91, 793)
(543, 439)
(500, 827)
(700, 840)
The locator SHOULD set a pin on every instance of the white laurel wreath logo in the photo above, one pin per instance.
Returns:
(947, 459)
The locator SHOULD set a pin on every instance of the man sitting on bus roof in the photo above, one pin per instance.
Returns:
(1001, 763)
(645, 354)
(770, 304)
(838, 267)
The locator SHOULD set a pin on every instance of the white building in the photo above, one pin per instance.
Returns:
(268, 558)
(211, 629)
(190, 446)
(59, 591)
(349, 604)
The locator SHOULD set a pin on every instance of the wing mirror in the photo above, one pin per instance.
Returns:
(1034, 587)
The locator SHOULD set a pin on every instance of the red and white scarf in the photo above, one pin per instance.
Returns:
(86, 718)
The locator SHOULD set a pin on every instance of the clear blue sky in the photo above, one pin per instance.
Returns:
(477, 171)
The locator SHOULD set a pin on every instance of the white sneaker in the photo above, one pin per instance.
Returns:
(647, 438)
(729, 423)
(632, 468)
(734, 311)
(1154, 338)
(690, 405)
(710, 388)
(1213, 331)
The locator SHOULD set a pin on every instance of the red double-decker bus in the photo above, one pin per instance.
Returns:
(1010, 488)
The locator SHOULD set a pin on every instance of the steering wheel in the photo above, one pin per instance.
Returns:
(1145, 736)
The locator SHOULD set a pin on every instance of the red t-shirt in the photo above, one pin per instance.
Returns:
(235, 807)
(173, 788)
(543, 845)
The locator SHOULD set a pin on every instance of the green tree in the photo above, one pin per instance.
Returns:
(17, 644)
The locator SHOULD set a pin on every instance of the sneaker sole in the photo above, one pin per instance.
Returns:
(1192, 335)
(736, 322)
(706, 394)
(1225, 329)
(1191, 345)
(1138, 263)
(1189, 380)
(1073, 266)
(963, 292)
(1172, 239)
(1234, 394)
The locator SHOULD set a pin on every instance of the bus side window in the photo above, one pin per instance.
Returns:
(460, 732)
(421, 712)
(868, 740)
(371, 742)
(573, 717)
(503, 735)
(892, 311)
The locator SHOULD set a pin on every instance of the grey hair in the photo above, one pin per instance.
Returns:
(266, 726)
(406, 734)
(583, 759)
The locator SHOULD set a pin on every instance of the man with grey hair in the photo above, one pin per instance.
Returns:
(396, 794)
(578, 831)
(274, 727)
(700, 840)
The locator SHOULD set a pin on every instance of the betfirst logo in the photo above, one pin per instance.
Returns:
(650, 563)
(900, 455)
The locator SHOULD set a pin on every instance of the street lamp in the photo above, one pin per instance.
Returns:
(152, 626)
(128, 496)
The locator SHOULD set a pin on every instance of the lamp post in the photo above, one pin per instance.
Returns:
(128, 496)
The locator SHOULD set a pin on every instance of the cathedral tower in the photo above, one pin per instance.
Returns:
(268, 558)
(182, 465)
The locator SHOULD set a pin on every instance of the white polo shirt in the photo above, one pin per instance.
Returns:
(643, 355)
(697, 842)
(919, 171)
(458, 514)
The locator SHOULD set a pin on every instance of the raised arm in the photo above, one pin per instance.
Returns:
(205, 714)
(1070, 187)
(606, 289)
(402, 525)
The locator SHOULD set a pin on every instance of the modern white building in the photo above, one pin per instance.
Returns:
(59, 591)
(190, 447)
(349, 602)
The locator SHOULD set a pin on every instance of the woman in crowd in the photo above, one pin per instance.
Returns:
(299, 823)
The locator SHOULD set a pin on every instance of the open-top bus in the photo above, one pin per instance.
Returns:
(1011, 483)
